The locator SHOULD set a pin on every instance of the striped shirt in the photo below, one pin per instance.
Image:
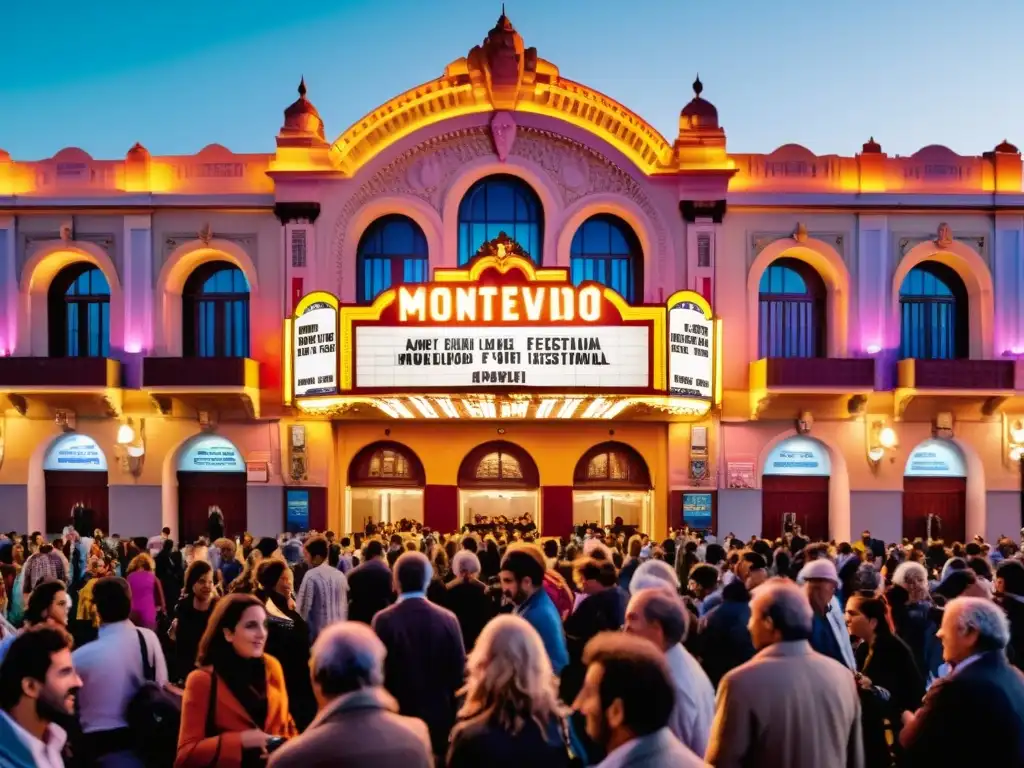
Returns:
(322, 598)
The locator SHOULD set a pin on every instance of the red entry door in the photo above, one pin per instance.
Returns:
(65, 490)
(198, 491)
(805, 497)
(942, 496)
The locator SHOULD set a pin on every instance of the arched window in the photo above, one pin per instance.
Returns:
(612, 465)
(498, 464)
(934, 322)
(497, 204)
(791, 311)
(215, 312)
(606, 250)
(79, 312)
(386, 464)
(393, 250)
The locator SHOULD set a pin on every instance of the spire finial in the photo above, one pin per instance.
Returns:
(698, 86)
(302, 87)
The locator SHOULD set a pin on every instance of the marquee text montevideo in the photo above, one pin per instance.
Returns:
(506, 304)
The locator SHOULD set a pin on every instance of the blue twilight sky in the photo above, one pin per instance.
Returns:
(179, 74)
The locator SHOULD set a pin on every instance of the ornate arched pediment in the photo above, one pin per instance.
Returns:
(427, 170)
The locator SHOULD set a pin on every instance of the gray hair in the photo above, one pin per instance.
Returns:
(668, 611)
(347, 656)
(465, 562)
(983, 616)
(787, 606)
(654, 574)
(867, 578)
(904, 570)
(413, 572)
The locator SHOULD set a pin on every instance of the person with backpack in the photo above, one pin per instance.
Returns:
(122, 663)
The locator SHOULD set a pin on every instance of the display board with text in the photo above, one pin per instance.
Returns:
(501, 325)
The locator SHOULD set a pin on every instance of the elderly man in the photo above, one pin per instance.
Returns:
(829, 635)
(466, 596)
(788, 705)
(974, 715)
(347, 670)
(662, 618)
(426, 659)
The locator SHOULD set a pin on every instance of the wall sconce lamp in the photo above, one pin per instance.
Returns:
(881, 438)
(131, 445)
(1015, 439)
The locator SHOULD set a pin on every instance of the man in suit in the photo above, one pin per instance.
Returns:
(1009, 587)
(426, 659)
(975, 714)
(355, 711)
(627, 700)
(369, 585)
(789, 705)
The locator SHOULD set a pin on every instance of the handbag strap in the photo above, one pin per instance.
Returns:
(148, 670)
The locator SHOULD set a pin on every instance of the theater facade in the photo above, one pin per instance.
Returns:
(504, 293)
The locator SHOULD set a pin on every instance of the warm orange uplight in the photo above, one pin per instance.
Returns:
(506, 304)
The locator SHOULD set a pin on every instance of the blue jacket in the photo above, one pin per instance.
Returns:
(13, 752)
(542, 615)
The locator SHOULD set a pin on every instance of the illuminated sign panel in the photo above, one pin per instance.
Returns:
(691, 335)
(502, 325)
(600, 357)
(315, 346)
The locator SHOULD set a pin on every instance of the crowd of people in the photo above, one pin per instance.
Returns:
(493, 646)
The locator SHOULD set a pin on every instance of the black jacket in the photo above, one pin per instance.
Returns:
(973, 717)
(425, 663)
(602, 611)
(477, 743)
(724, 640)
(369, 590)
(472, 606)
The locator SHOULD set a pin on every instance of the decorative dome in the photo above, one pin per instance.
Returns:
(302, 117)
(5, 157)
(871, 147)
(137, 153)
(1007, 147)
(698, 114)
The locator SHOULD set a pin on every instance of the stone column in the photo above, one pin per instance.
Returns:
(10, 299)
(1008, 286)
(138, 293)
(869, 320)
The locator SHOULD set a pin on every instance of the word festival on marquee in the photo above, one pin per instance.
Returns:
(506, 303)
(495, 352)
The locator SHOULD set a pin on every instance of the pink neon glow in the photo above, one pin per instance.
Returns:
(873, 349)
(133, 347)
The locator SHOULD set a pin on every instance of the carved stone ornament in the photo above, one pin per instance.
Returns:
(503, 132)
(206, 234)
(800, 234)
(67, 233)
(501, 248)
(944, 237)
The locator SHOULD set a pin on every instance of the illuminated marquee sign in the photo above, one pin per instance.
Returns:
(315, 345)
(691, 337)
(501, 324)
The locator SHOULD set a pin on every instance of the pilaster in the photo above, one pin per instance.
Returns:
(1008, 284)
(137, 286)
(870, 332)
(10, 300)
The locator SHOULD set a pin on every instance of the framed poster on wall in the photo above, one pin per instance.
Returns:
(697, 510)
(296, 503)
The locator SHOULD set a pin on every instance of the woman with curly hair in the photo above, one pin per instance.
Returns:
(512, 715)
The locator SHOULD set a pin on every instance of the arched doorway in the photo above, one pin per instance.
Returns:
(611, 482)
(385, 484)
(211, 473)
(498, 479)
(935, 492)
(75, 474)
(795, 488)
